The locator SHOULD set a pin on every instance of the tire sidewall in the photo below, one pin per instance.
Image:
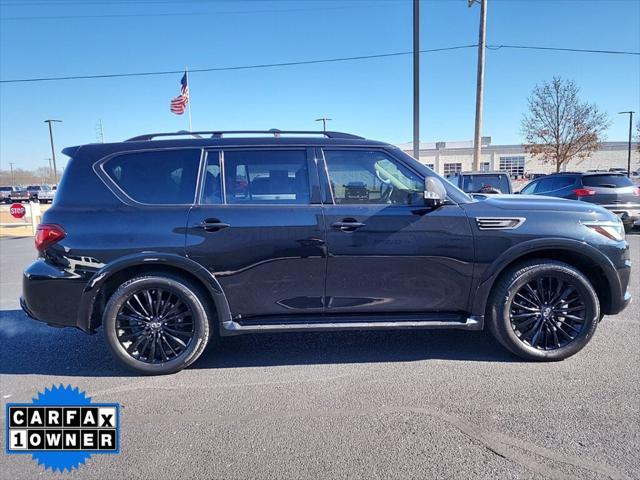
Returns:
(188, 295)
(592, 311)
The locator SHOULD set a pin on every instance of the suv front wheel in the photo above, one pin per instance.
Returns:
(543, 310)
(156, 324)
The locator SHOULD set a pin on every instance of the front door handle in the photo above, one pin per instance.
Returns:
(212, 225)
(348, 225)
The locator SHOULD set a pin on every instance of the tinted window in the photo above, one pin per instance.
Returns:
(529, 188)
(158, 177)
(552, 183)
(212, 185)
(606, 181)
(477, 183)
(266, 176)
(363, 176)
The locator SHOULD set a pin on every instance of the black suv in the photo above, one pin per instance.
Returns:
(169, 243)
(613, 191)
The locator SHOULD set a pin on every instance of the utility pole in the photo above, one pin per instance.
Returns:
(53, 150)
(324, 121)
(416, 79)
(13, 183)
(629, 147)
(482, 38)
(100, 131)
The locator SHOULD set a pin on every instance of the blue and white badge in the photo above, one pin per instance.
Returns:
(62, 428)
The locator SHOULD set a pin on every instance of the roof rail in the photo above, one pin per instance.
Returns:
(220, 133)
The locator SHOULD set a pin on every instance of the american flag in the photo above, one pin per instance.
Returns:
(179, 104)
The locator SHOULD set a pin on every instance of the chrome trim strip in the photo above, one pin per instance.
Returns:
(471, 323)
(499, 223)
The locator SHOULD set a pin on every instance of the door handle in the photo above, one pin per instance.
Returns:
(348, 225)
(212, 225)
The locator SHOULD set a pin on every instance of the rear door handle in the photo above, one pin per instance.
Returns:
(348, 225)
(212, 225)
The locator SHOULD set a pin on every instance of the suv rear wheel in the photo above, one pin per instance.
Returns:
(543, 310)
(155, 324)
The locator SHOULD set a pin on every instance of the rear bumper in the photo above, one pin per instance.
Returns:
(51, 295)
(628, 212)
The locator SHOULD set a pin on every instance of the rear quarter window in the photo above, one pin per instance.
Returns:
(159, 177)
(614, 181)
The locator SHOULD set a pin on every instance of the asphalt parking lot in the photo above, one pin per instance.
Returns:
(342, 405)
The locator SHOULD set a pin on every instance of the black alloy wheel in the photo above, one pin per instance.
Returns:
(158, 323)
(155, 325)
(543, 309)
(547, 313)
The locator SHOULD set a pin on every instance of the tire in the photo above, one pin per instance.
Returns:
(163, 353)
(628, 227)
(514, 325)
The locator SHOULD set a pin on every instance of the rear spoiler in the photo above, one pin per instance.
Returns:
(71, 151)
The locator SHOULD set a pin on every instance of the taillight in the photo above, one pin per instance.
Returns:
(584, 192)
(47, 234)
(636, 191)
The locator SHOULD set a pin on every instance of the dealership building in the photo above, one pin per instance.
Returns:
(451, 157)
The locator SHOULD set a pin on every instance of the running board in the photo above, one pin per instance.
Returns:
(350, 323)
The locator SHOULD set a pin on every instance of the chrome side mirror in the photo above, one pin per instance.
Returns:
(434, 192)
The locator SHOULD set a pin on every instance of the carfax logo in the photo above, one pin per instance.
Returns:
(62, 428)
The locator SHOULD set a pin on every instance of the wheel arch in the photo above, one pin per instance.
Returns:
(106, 280)
(591, 262)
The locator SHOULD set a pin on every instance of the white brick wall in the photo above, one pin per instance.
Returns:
(612, 154)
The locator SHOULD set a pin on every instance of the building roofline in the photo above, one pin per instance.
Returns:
(517, 147)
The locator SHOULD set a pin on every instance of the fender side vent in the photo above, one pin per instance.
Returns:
(499, 223)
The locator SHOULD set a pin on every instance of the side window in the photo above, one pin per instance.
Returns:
(212, 183)
(562, 182)
(156, 177)
(530, 188)
(544, 185)
(266, 177)
(553, 183)
(370, 176)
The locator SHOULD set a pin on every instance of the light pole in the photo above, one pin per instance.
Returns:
(324, 121)
(629, 147)
(53, 150)
(416, 79)
(13, 183)
(50, 169)
(482, 38)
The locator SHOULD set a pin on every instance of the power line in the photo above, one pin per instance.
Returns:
(238, 67)
(560, 49)
(312, 62)
(383, 3)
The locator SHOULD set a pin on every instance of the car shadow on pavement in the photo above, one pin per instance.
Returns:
(30, 347)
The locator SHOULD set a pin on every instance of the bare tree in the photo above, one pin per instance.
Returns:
(559, 127)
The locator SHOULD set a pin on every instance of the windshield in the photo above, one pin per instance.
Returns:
(478, 183)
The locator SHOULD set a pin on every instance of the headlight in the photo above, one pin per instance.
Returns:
(611, 230)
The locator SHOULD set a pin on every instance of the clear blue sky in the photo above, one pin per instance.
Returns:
(368, 97)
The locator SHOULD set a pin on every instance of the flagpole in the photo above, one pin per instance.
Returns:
(186, 72)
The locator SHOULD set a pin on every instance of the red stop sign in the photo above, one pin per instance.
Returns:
(17, 210)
